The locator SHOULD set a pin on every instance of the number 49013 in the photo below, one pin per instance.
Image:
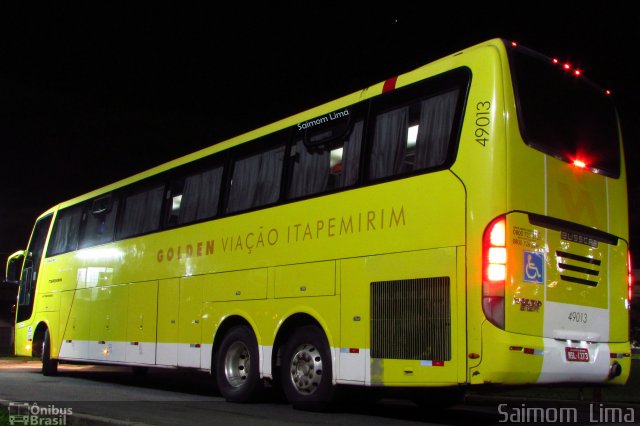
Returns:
(483, 120)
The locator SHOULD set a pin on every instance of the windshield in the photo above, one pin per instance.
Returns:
(563, 114)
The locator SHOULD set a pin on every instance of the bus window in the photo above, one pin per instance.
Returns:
(256, 180)
(563, 114)
(326, 167)
(100, 221)
(413, 137)
(66, 231)
(141, 212)
(194, 198)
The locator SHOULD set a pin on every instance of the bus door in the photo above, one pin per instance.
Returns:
(30, 269)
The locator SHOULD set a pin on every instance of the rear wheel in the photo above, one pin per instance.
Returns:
(306, 371)
(49, 366)
(237, 364)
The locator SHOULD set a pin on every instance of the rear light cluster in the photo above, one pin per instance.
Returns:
(494, 270)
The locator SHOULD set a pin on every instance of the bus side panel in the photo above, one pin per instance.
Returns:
(189, 330)
(108, 323)
(140, 344)
(77, 330)
(168, 311)
(66, 302)
(481, 165)
(409, 296)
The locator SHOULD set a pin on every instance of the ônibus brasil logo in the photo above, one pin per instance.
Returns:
(24, 413)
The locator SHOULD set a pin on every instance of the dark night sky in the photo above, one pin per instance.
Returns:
(89, 96)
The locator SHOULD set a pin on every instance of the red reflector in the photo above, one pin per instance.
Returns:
(135, 343)
(438, 363)
(354, 350)
(474, 355)
(529, 351)
(389, 85)
(515, 348)
(629, 276)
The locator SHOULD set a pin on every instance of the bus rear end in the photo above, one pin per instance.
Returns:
(556, 287)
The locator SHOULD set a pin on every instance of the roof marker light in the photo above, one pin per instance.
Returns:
(514, 44)
(579, 163)
(567, 66)
(577, 72)
(555, 61)
(607, 92)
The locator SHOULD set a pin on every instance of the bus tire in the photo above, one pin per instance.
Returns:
(306, 371)
(49, 366)
(237, 365)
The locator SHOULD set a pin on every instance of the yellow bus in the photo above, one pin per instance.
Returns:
(462, 224)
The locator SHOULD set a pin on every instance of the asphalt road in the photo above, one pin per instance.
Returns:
(176, 397)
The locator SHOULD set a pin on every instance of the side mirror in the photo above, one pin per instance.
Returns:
(14, 267)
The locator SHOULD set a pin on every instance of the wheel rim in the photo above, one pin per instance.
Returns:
(237, 364)
(306, 369)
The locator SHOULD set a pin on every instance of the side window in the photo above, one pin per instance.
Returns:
(141, 212)
(325, 167)
(100, 220)
(414, 136)
(194, 197)
(417, 127)
(66, 231)
(256, 180)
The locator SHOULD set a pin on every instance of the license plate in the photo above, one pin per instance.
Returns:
(577, 354)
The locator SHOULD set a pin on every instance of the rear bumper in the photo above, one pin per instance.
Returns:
(509, 358)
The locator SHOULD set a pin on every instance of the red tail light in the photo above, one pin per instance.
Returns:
(494, 270)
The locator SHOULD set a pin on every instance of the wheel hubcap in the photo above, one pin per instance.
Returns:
(306, 369)
(237, 364)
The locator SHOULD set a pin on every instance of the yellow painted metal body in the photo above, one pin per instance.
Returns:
(174, 289)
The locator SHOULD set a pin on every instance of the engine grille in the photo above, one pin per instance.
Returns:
(411, 319)
(578, 269)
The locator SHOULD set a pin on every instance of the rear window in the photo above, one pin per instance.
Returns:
(564, 115)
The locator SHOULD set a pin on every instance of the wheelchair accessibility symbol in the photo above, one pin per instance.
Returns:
(533, 267)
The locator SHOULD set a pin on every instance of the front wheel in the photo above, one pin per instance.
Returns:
(49, 366)
(306, 370)
(237, 365)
